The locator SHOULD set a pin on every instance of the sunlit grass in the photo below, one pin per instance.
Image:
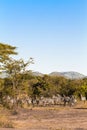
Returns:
(4, 120)
(5, 123)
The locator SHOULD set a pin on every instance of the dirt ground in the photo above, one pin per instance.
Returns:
(49, 118)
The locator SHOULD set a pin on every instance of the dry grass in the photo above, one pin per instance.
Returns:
(4, 119)
(46, 118)
(5, 123)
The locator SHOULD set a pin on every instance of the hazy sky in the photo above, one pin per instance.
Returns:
(53, 32)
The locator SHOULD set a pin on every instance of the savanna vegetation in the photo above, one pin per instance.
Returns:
(20, 81)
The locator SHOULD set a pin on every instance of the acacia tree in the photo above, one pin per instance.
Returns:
(5, 52)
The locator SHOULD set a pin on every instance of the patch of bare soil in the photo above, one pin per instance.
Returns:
(50, 118)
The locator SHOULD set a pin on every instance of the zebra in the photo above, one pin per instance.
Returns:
(69, 99)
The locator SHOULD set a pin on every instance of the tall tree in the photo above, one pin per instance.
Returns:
(5, 52)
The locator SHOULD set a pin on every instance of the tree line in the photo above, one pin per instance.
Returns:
(20, 81)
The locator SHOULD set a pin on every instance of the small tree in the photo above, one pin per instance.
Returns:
(14, 69)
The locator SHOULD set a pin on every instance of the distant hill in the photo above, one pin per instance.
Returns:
(36, 73)
(69, 75)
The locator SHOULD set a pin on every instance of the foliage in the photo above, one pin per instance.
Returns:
(5, 52)
(16, 70)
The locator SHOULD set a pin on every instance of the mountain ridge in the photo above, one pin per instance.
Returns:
(67, 74)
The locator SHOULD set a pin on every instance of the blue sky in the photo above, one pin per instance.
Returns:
(53, 32)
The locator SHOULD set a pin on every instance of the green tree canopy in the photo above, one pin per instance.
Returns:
(5, 51)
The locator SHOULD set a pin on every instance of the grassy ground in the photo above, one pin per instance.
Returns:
(45, 118)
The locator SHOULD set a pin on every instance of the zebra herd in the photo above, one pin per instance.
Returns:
(25, 100)
(55, 100)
